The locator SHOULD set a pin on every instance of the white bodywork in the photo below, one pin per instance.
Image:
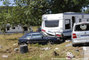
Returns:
(81, 34)
(63, 20)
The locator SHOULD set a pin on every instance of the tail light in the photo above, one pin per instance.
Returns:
(58, 35)
(43, 30)
(74, 35)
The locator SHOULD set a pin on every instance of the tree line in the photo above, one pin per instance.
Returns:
(29, 12)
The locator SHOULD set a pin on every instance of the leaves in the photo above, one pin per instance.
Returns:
(29, 12)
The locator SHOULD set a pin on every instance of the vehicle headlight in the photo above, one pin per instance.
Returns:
(28, 38)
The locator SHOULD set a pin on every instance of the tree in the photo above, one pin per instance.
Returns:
(34, 9)
(68, 5)
(29, 12)
(6, 2)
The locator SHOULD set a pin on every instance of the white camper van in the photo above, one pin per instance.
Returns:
(61, 24)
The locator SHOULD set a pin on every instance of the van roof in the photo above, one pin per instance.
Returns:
(68, 13)
(59, 15)
(74, 13)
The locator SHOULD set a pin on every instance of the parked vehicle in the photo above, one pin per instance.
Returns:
(36, 37)
(80, 34)
(61, 24)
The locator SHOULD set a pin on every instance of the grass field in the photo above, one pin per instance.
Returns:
(9, 43)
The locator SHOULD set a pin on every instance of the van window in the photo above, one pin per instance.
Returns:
(80, 20)
(88, 20)
(52, 23)
(82, 27)
(67, 24)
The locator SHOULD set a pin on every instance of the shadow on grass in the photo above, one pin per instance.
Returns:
(13, 39)
(82, 45)
(45, 43)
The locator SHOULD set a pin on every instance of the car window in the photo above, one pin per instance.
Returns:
(82, 27)
(36, 35)
(28, 36)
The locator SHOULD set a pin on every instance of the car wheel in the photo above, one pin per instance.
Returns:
(27, 42)
(50, 42)
(62, 39)
(74, 45)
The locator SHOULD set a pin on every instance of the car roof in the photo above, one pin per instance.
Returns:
(81, 23)
(33, 33)
(30, 33)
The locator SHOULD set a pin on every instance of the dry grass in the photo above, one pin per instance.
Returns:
(35, 52)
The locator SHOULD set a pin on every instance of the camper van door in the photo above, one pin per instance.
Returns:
(67, 31)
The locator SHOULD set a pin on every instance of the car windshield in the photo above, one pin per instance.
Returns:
(27, 36)
(82, 27)
(52, 23)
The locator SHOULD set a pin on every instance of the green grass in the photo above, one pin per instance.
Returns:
(35, 52)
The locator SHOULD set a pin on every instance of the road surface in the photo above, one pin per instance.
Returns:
(86, 52)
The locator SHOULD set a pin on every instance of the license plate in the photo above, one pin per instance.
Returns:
(84, 35)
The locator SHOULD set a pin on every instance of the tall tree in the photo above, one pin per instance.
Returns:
(30, 11)
(68, 5)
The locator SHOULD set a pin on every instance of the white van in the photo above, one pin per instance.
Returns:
(80, 33)
(61, 24)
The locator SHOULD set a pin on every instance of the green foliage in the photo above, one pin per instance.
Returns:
(6, 2)
(29, 12)
(87, 11)
(69, 5)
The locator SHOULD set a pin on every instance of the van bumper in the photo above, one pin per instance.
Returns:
(80, 41)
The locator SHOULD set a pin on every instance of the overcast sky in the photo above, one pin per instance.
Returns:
(1, 3)
(11, 1)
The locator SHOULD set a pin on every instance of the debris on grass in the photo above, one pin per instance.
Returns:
(46, 48)
(77, 50)
(4, 56)
(16, 49)
(67, 40)
(69, 56)
(70, 44)
(56, 48)
(0, 47)
(8, 50)
(84, 48)
(15, 44)
(23, 48)
(55, 53)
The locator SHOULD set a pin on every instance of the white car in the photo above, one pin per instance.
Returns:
(80, 33)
